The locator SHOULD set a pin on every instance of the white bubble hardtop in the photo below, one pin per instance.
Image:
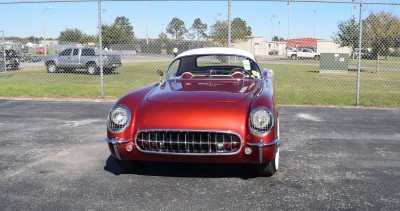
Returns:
(216, 51)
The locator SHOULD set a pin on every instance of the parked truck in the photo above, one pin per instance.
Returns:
(71, 59)
(12, 59)
(304, 53)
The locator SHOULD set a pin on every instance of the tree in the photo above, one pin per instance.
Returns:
(382, 31)
(239, 31)
(199, 28)
(163, 39)
(71, 35)
(177, 29)
(276, 38)
(120, 32)
(348, 34)
(75, 36)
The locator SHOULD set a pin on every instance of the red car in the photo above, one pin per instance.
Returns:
(40, 50)
(215, 106)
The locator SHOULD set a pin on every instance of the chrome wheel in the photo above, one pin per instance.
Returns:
(51, 68)
(91, 69)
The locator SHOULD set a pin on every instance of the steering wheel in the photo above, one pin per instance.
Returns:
(241, 70)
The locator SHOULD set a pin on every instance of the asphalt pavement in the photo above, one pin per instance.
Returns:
(53, 157)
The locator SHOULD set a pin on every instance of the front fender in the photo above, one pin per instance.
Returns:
(132, 100)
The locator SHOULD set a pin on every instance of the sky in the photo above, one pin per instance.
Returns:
(266, 18)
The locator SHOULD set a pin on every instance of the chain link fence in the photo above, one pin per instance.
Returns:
(318, 58)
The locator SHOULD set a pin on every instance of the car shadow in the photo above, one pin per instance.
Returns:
(195, 170)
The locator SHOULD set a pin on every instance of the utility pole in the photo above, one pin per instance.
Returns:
(288, 28)
(44, 30)
(314, 24)
(272, 27)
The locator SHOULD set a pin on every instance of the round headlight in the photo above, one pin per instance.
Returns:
(261, 121)
(118, 119)
(119, 116)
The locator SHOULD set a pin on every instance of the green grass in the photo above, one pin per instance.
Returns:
(305, 85)
(294, 84)
(385, 62)
(36, 82)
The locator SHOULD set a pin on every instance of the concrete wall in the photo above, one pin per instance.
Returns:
(254, 45)
(325, 46)
(259, 47)
(279, 46)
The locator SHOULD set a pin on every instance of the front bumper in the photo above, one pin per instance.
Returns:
(260, 145)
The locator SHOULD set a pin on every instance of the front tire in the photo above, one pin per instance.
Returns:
(267, 170)
(52, 68)
(294, 57)
(92, 69)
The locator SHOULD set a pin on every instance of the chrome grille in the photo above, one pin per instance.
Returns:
(188, 142)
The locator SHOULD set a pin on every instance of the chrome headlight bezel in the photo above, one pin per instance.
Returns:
(119, 113)
(266, 126)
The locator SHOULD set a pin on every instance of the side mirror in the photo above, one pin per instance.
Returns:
(160, 73)
(268, 73)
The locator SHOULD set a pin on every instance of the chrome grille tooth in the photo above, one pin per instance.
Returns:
(186, 149)
(170, 142)
(201, 144)
(223, 141)
(141, 141)
(163, 141)
(231, 143)
(194, 149)
(208, 141)
(188, 142)
(150, 142)
(215, 142)
(178, 141)
(156, 142)
(214, 145)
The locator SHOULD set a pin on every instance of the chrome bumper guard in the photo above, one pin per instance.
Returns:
(261, 145)
(115, 143)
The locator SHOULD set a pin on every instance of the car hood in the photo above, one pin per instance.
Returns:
(223, 91)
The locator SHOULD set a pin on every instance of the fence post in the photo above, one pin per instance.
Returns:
(359, 57)
(101, 48)
(4, 53)
(229, 23)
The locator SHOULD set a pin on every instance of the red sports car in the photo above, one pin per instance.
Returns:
(215, 106)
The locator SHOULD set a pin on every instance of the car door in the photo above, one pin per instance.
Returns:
(64, 58)
(300, 53)
(75, 59)
(307, 53)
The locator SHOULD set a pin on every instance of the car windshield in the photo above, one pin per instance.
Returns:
(213, 67)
